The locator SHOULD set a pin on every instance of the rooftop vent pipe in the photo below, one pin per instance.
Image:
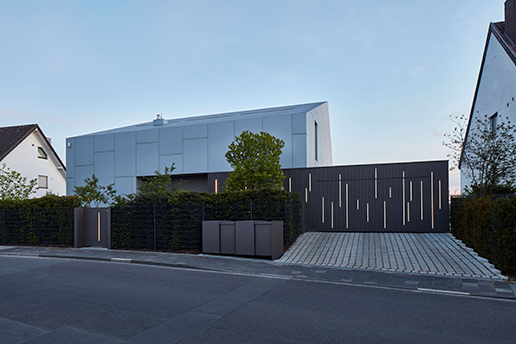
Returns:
(159, 120)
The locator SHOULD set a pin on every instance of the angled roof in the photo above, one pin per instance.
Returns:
(11, 137)
(275, 111)
(498, 31)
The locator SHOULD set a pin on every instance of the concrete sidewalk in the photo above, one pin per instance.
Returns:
(489, 287)
(423, 253)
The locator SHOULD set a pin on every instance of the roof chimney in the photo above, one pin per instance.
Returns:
(510, 20)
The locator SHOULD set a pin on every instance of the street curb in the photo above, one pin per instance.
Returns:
(287, 277)
(126, 261)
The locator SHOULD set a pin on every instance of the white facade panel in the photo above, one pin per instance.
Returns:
(168, 160)
(147, 136)
(70, 186)
(195, 156)
(195, 131)
(70, 158)
(220, 135)
(125, 185)
(299, 123)
(105, 167)
(250, 124)
(125, 154)
(146, 159)
(104, 143)
(299, 153)
(281, 127)
(84, 150)
(170, 140)
(83, 172)
(324, 155)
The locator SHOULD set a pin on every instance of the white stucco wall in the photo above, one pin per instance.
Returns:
(24, 159)
(496, 90)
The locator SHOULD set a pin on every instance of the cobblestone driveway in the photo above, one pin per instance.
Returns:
(426, 253)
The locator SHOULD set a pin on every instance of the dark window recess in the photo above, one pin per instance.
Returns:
(494, 122)
(316, 142)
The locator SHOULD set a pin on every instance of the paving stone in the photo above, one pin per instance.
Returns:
(424, 253)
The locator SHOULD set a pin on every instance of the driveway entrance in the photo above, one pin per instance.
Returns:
(427, 253)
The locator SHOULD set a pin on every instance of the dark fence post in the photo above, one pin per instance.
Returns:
(285, 212)
(3, 218)
(251, 210)
(38, 227)
(154, 227)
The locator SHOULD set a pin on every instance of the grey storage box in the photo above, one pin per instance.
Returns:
(243, 238)
(244, 231)
(227, 238)
(269, 239)
(211, 235)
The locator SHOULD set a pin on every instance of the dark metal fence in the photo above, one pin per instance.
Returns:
(179, 227)
(146, 227)
(52, 227)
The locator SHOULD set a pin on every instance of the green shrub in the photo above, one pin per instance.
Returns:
(488, 225)
(47, 220)
(178, 216)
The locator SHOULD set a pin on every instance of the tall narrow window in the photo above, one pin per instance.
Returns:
(494, 122)
(316, 142)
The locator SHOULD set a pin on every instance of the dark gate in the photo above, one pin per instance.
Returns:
(92, 227)
(401, 197)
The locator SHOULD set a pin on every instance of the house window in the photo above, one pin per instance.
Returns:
(494, 122)
(316, 142)
(41, 153)
(42, 182)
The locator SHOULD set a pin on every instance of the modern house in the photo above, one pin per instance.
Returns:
(495, 92)
(399, 197)
(195, 145)
(25, 149)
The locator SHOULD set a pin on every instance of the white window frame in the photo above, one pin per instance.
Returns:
(42, 182)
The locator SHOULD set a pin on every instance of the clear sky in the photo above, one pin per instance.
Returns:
(391, 70)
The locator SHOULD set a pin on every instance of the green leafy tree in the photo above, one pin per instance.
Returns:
(486, 154)
(14, 186)
(160, 183)
(255, 159)
(94, 193)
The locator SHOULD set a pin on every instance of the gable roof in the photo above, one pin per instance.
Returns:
(11, 137)
(498, 31)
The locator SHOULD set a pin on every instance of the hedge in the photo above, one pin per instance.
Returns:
(47, 220)
(173, 221)
(488, 225)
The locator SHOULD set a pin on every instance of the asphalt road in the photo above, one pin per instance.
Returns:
(72, 301)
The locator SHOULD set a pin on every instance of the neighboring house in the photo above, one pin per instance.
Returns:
(196, 145)
(496, 85)
(25, 149)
